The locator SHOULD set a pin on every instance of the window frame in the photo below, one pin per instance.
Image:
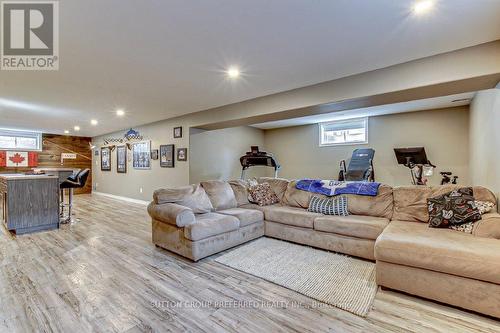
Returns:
(24, 134)
(346, 121)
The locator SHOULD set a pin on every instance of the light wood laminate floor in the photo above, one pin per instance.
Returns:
(103, 274)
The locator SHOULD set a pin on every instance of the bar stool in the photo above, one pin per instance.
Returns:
(73, 178)
(79, 182)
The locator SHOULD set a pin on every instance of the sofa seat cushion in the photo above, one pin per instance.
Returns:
(295, 216)
(414, 244)
(246, 216)
(359, 226)
(210, 224)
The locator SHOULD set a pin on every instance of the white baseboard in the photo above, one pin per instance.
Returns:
(117, 197)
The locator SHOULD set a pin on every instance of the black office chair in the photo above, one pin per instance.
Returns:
(71, 183)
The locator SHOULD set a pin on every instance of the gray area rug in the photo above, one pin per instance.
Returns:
(339, 280)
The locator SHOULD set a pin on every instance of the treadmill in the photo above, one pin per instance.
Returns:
(258, 158)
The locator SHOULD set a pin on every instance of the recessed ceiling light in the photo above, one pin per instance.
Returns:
(120, 112)
(422, 6)
(66, 132)
(76, 128)
(233, 72)
(93, 122)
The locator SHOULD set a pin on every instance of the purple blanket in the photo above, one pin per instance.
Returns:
(335, 187)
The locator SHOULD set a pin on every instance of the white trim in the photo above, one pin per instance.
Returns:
(117, 197)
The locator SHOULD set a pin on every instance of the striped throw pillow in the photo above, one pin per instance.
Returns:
(329, 206)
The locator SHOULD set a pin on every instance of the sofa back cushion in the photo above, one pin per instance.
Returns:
(278, 185)
(410, 202)
(191, 196)
(220, 193)
(297, 198)
(380, 205)
(240, 190)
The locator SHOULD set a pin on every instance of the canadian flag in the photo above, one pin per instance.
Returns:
(15, 159)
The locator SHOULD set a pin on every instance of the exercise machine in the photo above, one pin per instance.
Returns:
(448, 178)
(416, 160)
(360, 167)
(258, 158)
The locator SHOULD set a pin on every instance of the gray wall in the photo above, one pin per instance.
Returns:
(485, 139)
(215, 154)
(129, 184)
(443, 133)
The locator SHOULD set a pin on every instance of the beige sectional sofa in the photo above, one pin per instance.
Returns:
(440, 264)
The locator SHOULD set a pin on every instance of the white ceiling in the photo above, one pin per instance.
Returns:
(417, 105)
(159, 59)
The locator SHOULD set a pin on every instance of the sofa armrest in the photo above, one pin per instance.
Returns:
(172, 214)
(488, 226)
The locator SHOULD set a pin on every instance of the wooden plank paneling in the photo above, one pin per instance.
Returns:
(50, 156)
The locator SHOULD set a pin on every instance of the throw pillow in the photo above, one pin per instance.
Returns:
(278, 185)
(453, 208)
(262, 194)
(484, 206)
(466, 227)
(329, 206)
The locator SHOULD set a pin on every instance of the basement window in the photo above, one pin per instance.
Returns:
(20, 140)
(343, 132)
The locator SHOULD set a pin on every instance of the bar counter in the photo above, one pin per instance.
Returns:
(29, 202)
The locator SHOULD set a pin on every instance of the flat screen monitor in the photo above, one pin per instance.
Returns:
(414, 155)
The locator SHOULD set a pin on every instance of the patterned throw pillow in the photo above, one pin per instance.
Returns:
(453, 208)
(329, 206)
(466, 227)
(262, 194)
(483, 207)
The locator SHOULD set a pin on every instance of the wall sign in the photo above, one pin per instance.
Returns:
(68, 156)
(130, 135)
(16, 159)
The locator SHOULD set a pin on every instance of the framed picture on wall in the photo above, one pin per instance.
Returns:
(105, 158)
(154, 154)
(167, 156)
(177, 132)
(182, 154)
(121, 159)
(141, 155)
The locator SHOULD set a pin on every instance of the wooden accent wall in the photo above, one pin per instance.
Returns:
(50, 156)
